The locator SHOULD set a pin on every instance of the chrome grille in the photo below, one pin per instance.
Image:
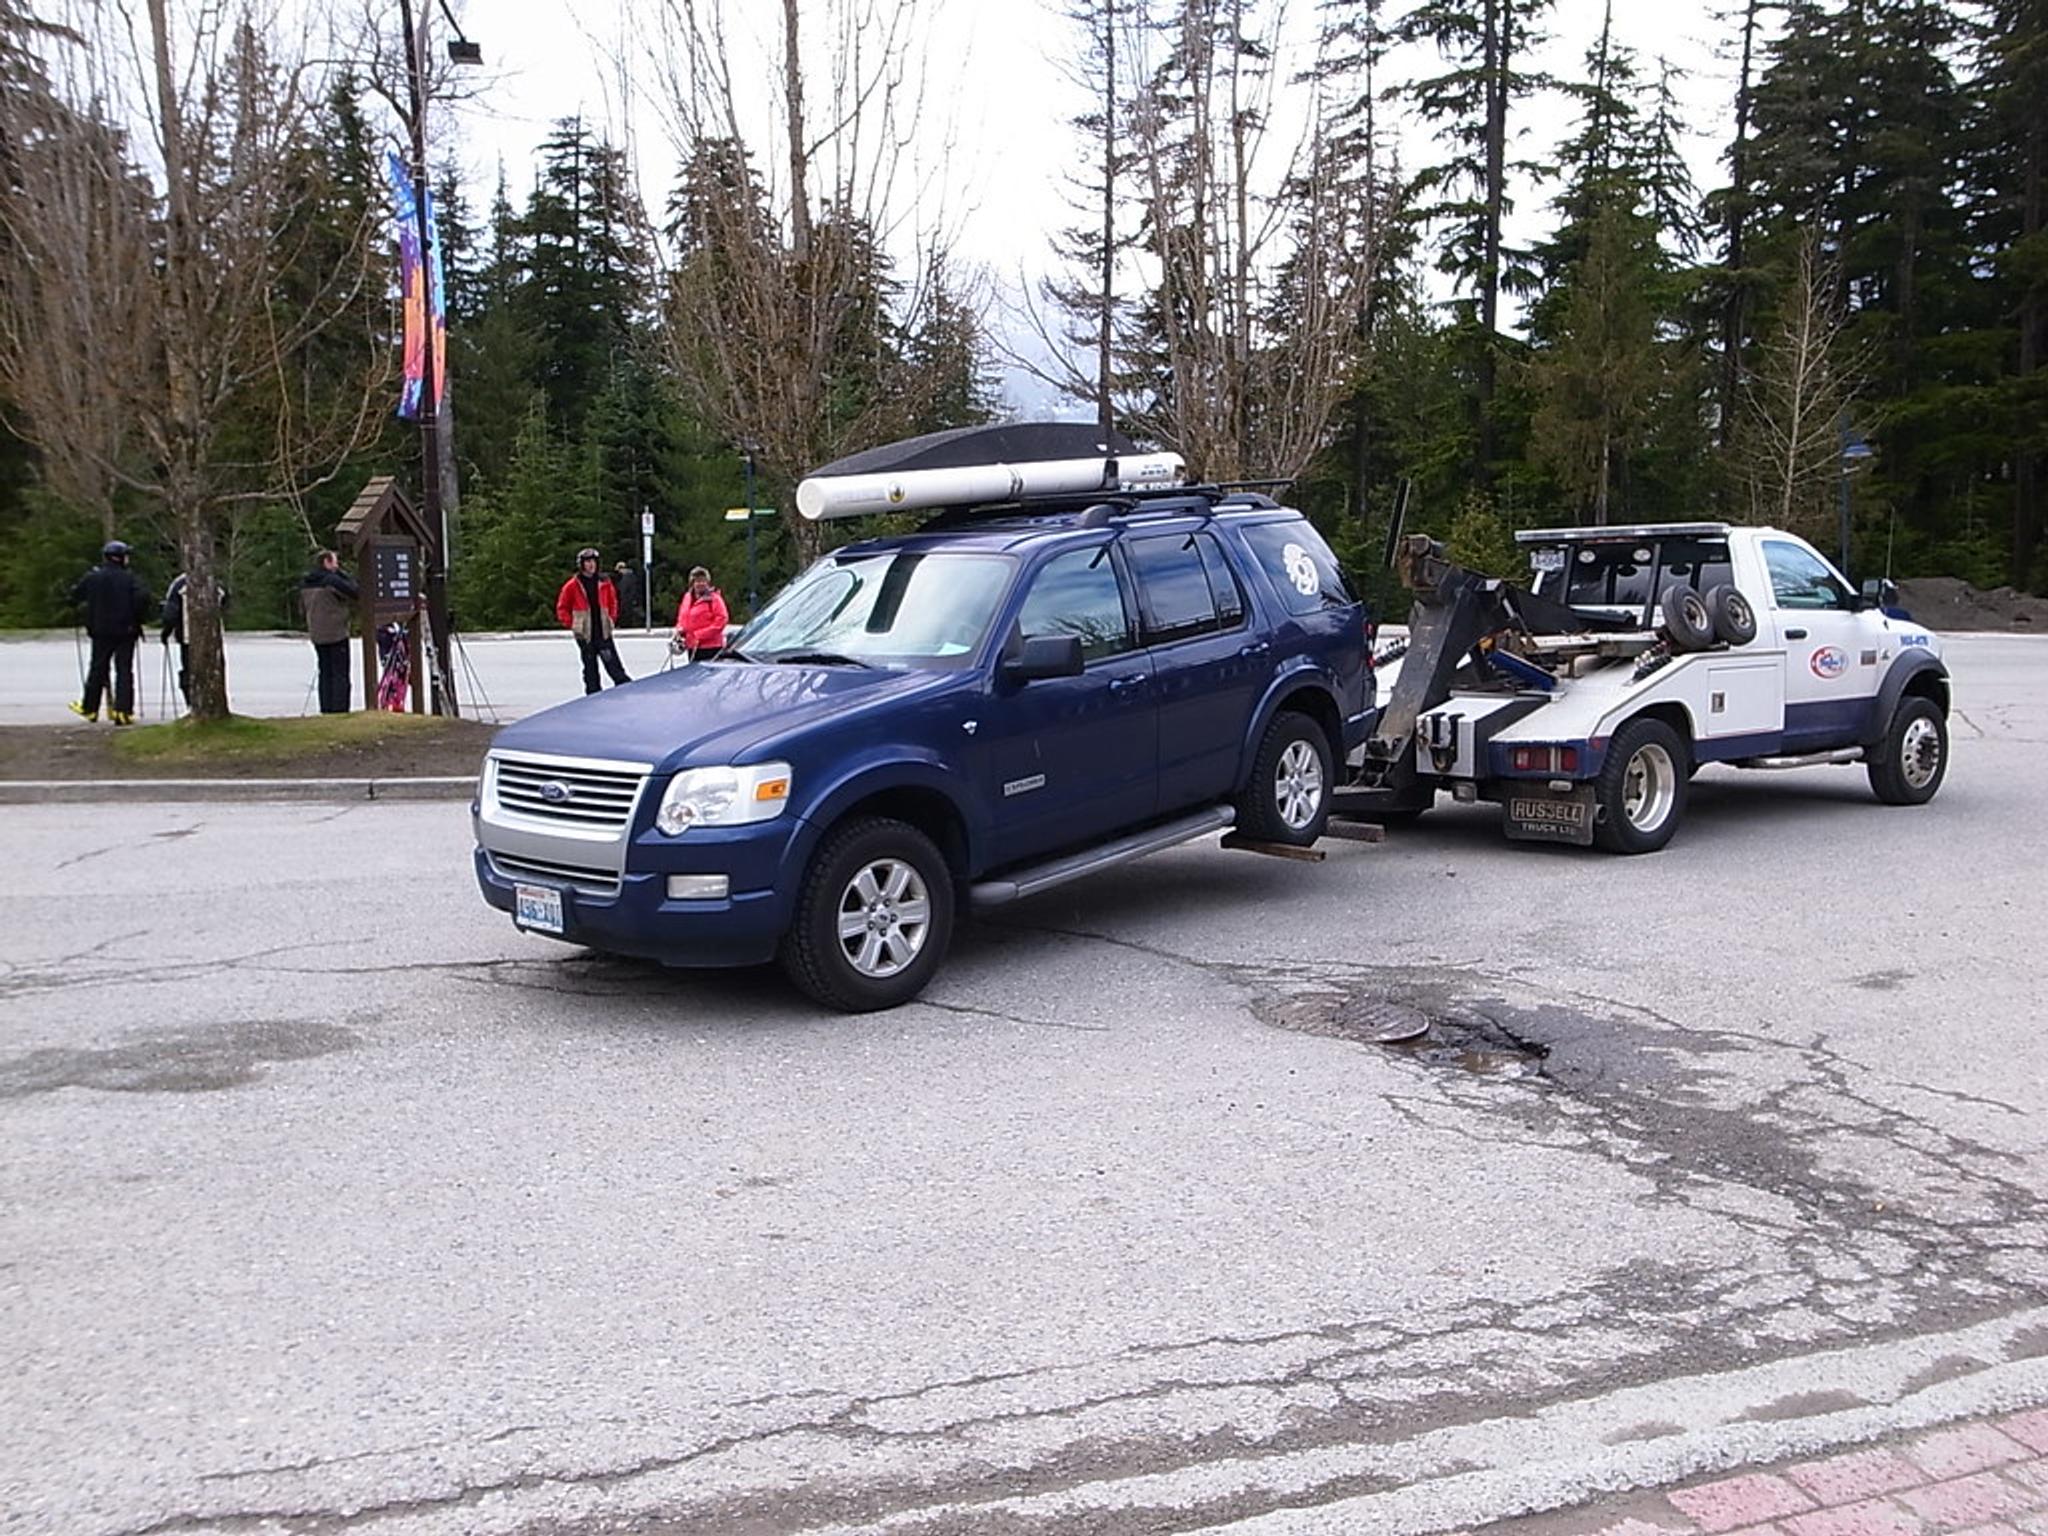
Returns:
(591, 882)
(568, 792)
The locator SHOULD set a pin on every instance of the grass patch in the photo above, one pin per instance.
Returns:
(244, 738)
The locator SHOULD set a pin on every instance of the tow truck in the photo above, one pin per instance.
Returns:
(1584, 701)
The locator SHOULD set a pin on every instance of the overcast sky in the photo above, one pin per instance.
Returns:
(997, 96)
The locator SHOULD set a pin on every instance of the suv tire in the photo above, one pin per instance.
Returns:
(1907, 767)
(873, 917)
(1287, 799)
(1640, 793)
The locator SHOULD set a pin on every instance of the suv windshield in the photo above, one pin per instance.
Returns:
(889, 608)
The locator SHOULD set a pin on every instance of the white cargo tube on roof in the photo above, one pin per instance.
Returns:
(921, 490)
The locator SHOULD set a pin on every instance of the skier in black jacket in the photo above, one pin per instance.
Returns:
(173, 627)
(116, 604)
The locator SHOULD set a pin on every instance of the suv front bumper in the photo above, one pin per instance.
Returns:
(762, 864)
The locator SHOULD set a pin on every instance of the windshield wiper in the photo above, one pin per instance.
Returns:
(733, 653)
(820, 659)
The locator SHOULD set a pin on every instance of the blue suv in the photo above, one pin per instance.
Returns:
(1005, 700)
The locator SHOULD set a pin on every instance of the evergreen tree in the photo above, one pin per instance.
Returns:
(1600, 380)
(1085, 294)
(1483, 43)
(1613, 376)
(492, 353)
(1730, 288)
(946, 352)
(1360, 159)
(2011, 230)
(585, 283)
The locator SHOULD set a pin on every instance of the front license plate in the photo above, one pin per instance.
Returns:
(1566, 818)
(538, 907)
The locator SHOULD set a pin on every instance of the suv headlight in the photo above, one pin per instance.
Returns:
(723, 797)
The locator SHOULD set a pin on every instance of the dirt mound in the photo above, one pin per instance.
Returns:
(1945, 603)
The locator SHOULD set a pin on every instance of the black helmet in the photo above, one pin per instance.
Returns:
(585, 554)
(114, 549)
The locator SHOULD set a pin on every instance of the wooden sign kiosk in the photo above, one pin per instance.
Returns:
(384, 543)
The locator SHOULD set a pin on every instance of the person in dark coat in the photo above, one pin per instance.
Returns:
(173, 627)
(629, 595)
(588, 606)
(328, 596)
(116, 605)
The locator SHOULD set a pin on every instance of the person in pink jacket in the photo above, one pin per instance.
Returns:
(701, 618)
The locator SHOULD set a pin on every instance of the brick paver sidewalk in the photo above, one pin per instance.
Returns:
(1986, 1478)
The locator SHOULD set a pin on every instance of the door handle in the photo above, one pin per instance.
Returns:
(1795, 634)
(1256, 648)
(1125, 684)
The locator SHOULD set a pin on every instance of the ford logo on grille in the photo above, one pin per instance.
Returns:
(555, 792)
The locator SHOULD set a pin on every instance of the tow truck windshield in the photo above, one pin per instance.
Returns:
(899, 608)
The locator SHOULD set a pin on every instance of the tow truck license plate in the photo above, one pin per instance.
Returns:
(1537, 817)
(538, 907)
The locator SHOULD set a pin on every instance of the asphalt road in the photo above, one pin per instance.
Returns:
(328, 1201)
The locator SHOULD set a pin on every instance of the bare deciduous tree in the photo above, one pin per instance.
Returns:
(1805, 381)
(782, 308)
(1261, 255)
(155, 349)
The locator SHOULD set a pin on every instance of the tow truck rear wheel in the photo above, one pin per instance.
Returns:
(1640, 794)
(1288, 798)
(873, 918)
(1906, 768)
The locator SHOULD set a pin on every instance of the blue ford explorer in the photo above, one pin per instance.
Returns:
(1010, 698)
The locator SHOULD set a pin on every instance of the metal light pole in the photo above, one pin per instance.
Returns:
(1854, 451)
(753, 586)
(432, 505)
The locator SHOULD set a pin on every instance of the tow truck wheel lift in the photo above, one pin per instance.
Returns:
(1455, 614)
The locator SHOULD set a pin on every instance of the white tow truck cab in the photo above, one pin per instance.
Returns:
(1584, 702)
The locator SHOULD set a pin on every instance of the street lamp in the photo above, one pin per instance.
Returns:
(1854, 451)
(417, 52)
(747, 452)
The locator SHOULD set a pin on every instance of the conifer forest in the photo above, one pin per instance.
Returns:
(200, 318)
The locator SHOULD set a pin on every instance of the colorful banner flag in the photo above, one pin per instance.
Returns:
(405, 219)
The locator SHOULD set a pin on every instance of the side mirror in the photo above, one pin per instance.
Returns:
(1044, 656)
(1880, 592)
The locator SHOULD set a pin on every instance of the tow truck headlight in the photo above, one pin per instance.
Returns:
(723, 797)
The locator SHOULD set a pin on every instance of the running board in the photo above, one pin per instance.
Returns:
(1043, 877)
(1805, 760)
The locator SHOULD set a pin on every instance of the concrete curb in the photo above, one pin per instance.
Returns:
(101, 791)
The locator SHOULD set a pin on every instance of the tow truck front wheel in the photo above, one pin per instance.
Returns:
(873, 918)
(1288, 798)
(1640, 793)
(1907, 766)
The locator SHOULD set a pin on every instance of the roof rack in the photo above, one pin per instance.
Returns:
(1099, 508)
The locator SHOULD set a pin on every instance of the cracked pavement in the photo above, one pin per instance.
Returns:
(328, 1201)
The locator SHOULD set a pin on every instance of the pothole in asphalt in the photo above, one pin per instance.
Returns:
(1465, 1040)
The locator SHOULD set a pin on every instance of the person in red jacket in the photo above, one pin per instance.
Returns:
(701, 618)
(588, 606)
